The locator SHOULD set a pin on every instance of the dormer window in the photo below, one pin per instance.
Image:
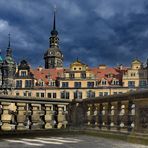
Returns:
(23, 73)
(104, 82)
(115, 82)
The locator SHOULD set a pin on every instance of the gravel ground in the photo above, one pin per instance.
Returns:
(81, 141)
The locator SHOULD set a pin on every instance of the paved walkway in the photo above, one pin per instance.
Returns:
(81, 141)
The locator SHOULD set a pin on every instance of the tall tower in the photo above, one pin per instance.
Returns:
(8, 70)
(53, 56)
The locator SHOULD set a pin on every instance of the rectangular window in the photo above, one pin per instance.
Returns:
(17, 94)
(83, 75)
(29, 94)
(104, 82)
(131, 83)
(77, 84)
(19, 84)
(23, 73)
(28, 83)
(77, 95)
(90, 94)
(65, 84)
(54, 95)
(49, 95)
(25, 94)
(37, 94)
(143, 83)
(42, 95)
(90, 84)
(115, 93)
(115, 82)
(64, 95)
(71, 75)
(100, 94)
(105, 93)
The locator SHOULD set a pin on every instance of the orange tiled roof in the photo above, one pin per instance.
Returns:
(103, 73)
(44, 73)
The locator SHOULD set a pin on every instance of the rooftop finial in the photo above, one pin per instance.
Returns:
(9, 40)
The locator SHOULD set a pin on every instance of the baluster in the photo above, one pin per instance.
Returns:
(12, 112)
(21, 117)
(49, 122)
(92, 116)
(130, 117)
(65, 121)
(35, 116)
(42, 116)
(61, 116)
(104, 116)
(89, 115)
(96, 112)
(124, 116)
(6, 117)
(100, 116)
(28, 113)
(109, 116)
(113, 115)
(118, 119)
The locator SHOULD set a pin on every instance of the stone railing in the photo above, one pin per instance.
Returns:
(124, 112)
(22, 113)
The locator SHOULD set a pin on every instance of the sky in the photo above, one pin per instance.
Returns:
(110, 32)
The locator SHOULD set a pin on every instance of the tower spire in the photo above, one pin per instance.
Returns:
(54, 32)
(9, 40)
(54, 21)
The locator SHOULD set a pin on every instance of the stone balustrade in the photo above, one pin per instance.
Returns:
(32, 113)
(124, 112)
(121, 113)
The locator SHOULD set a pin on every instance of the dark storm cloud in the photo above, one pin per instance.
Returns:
(98, 31)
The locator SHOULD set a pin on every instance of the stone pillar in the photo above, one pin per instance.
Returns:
(21, 117)
(6, 117)
(35, 117)
(49, 116)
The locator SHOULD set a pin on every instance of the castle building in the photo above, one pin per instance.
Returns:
(78, 81)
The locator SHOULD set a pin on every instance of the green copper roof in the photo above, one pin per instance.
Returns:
(1, 60)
